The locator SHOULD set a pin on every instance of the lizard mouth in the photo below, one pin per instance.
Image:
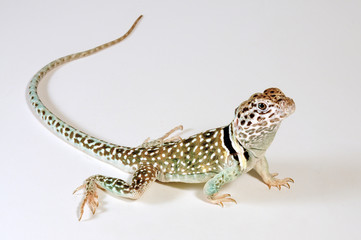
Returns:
(288, 106)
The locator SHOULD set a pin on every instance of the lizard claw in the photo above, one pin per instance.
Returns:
(220, 199)
(164, 139)
(90, 196)
(278, 183)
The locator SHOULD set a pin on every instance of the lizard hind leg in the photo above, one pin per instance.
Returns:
(165, 138)
(141, 180)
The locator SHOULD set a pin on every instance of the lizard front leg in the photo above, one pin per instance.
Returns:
(262, 169)
(213, 185)
(142, 178)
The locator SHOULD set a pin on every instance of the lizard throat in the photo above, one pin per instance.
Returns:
(258, 140)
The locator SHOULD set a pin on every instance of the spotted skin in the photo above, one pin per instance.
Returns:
(258, 118)
(215, 157)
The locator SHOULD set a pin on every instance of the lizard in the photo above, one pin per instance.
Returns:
(214, 157)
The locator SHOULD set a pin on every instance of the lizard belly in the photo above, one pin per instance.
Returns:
(188, 178)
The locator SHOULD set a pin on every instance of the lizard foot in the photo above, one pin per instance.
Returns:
(160, 141)
(278, 183)
(220, 199)
(90, 196)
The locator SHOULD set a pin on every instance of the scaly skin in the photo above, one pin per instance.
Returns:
(216, 156)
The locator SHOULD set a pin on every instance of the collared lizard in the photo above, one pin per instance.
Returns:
(215, 157)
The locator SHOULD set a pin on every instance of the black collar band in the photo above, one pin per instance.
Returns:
(228, 144)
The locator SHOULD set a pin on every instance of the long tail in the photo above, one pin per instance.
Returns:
(98, 148)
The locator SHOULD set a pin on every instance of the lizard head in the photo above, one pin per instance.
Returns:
(258, 118)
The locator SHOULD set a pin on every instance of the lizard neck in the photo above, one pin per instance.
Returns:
(258, 145)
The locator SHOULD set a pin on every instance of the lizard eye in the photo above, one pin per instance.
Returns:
(262, 106)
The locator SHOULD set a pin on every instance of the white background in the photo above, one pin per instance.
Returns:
(190, 63)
